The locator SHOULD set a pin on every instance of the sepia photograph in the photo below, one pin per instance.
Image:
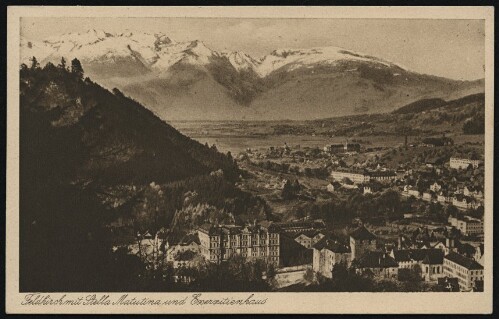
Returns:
(189, 159)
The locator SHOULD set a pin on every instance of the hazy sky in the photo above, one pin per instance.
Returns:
(449, 48)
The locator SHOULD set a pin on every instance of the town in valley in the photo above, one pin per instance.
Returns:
(406, 215)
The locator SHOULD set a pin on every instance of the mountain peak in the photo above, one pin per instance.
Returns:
(199, 50)
(100, 33)
(330, 55)
(241, 60)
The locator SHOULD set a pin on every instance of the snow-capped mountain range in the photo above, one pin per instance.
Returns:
(189, 80)
(159, 52)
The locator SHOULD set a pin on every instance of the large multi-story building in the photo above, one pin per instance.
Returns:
(220, 242)
(466, 270)
(355, 176)
(463, 163)
(363, 176)
(382, 176)
(467, 225)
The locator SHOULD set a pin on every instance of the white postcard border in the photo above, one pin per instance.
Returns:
(452, 303)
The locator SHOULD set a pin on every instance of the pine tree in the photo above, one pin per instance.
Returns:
(62, 65)
(34, 63)
(76, 68)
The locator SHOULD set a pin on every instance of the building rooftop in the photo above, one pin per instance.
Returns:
(377, 259)
(472, 157)
(361, 233)
(381, 173)
(189, 239)
(309, 233)
(231, 229)
(427, 256)
(284, 226)
(332, 244)
(467, 263)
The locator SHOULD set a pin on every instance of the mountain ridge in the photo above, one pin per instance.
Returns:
(154, 47)
(189, 80)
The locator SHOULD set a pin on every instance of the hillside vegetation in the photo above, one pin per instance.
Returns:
(426, 117)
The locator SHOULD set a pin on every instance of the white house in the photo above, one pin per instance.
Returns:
(463, 163)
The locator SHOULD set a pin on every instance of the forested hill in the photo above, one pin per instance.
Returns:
(88, 157)
(74, 125)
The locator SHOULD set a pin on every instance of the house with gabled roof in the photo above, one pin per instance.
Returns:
(189, 242)
(308, 238)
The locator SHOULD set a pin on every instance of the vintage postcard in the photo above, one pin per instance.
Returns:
(249, 160)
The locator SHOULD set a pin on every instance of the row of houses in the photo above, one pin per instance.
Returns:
(444, 197)
(365, 188)
(436, 263)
